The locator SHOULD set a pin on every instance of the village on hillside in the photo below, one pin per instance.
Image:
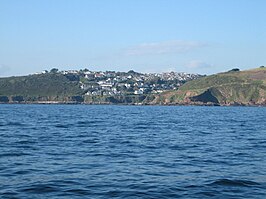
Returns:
(113, 83)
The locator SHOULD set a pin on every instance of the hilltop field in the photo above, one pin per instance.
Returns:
(228, 88)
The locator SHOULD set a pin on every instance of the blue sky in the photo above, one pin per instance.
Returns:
(199, 36)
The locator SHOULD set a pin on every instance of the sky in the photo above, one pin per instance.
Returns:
(194, 36)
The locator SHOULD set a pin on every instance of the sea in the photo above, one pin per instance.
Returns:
(111, 151)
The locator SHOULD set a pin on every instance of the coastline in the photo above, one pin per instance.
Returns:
(133, 104)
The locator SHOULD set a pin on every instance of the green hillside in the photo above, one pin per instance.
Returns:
(43, 87)
(229, 88)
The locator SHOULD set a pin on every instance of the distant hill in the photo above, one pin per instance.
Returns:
(42, 87)
(228, 88)
(92, 87)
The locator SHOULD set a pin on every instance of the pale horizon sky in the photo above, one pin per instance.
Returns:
(195, 36)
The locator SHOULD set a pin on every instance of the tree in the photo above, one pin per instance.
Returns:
(77, 98)
(4, 99)
(234, 70)
(54, 70)
(131, 72)
(17, 98)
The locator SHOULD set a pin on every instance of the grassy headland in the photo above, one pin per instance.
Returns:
(42, 87)
(228, 88)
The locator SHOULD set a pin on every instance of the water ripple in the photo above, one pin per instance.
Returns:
(227, 182)
(65, 151)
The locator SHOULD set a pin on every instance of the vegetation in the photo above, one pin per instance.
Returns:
(234, 70)
(229, 88)
(42, 87)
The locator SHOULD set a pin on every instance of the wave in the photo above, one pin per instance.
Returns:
(227, 182)
(40, 188)
(14, 124)
(63, 126)
(13, 154)
(77, 191)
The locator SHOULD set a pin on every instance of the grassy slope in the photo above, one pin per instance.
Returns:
(39, 85)
(244, 87)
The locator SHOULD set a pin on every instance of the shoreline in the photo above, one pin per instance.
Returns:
(133, 104)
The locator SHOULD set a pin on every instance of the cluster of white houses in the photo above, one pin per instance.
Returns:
(120, 83)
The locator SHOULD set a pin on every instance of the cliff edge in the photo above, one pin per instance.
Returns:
(229, 88)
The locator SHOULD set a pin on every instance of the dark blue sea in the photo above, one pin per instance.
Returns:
(87, 151)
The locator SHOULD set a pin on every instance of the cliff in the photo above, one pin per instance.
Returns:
(229, 88)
